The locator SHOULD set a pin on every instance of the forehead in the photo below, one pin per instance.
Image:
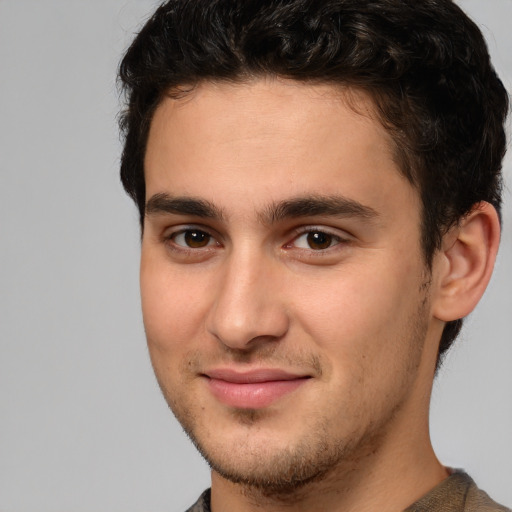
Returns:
(268, 140)
(265, 107)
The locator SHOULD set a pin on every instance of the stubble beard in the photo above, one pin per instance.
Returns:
(316, 460)
(281, 473)
(271, 473)
(289, 471)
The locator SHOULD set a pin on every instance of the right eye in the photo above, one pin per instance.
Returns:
(316, 240)
(192, 239)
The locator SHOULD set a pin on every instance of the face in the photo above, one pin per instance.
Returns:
(284, 293)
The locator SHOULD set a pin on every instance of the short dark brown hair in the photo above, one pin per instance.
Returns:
(424, 63)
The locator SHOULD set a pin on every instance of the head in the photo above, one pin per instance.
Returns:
(423, 64)
(318, 185)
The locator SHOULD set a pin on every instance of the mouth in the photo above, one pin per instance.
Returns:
(255, 389)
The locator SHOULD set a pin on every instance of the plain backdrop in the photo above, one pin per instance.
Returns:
(82, 424)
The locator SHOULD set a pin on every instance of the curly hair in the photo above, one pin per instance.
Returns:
(424, 63)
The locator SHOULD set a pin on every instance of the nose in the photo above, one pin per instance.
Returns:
(248, 308)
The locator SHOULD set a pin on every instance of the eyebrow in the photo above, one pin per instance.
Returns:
(165, 204)
(311, 206)
(306, 206)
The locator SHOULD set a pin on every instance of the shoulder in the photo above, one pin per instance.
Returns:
(458, 493)
(202, 504)
(479, 501)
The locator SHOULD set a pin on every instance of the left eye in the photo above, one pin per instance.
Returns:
(192, 238)
(316, 240)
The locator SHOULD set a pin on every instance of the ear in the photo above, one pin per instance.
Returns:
(465, 263)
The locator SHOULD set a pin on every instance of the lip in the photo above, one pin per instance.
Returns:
(255, 389)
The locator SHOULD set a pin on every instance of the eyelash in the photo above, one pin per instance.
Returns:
(333, 239)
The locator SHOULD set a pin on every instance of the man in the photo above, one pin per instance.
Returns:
(318, 185)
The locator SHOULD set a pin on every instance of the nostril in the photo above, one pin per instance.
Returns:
(244, 331)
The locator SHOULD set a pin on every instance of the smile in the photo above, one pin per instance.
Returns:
(252, 390)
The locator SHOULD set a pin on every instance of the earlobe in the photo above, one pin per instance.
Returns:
(465, 263)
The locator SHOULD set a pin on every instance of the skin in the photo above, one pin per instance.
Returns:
(231, 279)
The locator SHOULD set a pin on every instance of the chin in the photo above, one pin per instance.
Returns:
(272, 462)
(271, 469)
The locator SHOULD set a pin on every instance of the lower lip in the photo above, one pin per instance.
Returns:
(255, 395)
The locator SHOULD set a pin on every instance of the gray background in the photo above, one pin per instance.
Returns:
(82, 424)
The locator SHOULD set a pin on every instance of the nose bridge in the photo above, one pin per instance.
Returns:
(247, 305)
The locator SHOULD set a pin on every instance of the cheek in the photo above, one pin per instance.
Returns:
(370, 333)
(173, 305)
(361, 317)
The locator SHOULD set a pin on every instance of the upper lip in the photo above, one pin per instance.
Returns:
(252, 376)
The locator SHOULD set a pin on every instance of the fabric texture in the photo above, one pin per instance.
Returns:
(202, 504)
(458, 493)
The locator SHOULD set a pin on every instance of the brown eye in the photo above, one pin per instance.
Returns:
(196, 239)
(192, 238)
(317, 240)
